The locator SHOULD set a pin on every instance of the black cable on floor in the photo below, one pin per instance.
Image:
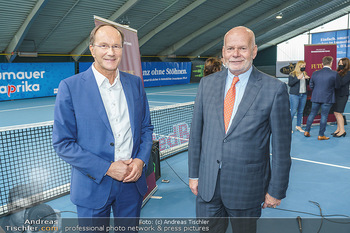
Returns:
(323, 217)
(176, 173)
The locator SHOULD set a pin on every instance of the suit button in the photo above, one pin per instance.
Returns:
(112, 144)
(225, 140)
(217, 161)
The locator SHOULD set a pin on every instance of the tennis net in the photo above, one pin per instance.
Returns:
(31, 172)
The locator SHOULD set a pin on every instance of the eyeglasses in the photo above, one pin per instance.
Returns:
(106, 47)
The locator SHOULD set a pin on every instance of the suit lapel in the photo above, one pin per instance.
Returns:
(251, 91)
(219, 95)
(97, 103)
(129, 99)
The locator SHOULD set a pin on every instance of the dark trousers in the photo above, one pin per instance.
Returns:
(125, 201)
(242, 220)
(324, 116)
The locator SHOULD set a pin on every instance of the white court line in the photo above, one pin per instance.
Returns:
(156, 93)
(327, 164)
(176, 94)
(19, 109)
(51, 105)
(154, 101)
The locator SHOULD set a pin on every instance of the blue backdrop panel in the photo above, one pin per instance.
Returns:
(31, 80)
(84, 66)
(165, 73)
(341, 38)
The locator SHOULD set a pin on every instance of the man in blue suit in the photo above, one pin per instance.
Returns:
(323, 84)
(229, 161)
(102, 128)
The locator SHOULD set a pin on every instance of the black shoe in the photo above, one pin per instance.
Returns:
(334, 133)
(338, 136)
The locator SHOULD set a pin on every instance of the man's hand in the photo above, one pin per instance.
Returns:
(119, 169)
(136, 167)
(193, 186)
(271, 201)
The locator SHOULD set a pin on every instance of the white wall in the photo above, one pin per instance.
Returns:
(293, 49)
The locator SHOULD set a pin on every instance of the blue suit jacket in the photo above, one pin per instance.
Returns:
(82, 135)
(244, 151)
(323, 84)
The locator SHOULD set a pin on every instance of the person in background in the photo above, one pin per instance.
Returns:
(211, 65)
(102, 127)
(223, 65)
(341, 96)
(239, 112)
(323, 84)
(298, 81)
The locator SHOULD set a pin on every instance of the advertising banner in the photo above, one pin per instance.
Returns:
(166, 73)
(197, 72)
(31, 80)
(131, 60)
(84, 66)
(340, 38)
(313, 57)
(283, 68)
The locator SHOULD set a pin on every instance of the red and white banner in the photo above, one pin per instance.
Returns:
(131, 60)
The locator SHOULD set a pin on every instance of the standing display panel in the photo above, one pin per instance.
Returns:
(131, 59)
(313, 55)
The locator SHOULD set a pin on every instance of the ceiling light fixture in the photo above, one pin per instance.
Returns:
(279, 16)
(27, 54)
(124, 21)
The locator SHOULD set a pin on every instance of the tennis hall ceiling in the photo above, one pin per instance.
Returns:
(174, 28)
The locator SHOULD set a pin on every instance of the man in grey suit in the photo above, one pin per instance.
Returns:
(323, 84)
(229, 163)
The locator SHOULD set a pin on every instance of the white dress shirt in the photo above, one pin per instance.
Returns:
(240, 89)
(116, 107)
(302, 87)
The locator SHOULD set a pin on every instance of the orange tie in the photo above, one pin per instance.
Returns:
(229, 102)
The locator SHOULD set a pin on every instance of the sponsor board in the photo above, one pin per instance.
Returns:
(31, 80)
(165, 73)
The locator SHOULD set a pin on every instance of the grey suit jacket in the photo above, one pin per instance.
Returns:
(244, 152)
